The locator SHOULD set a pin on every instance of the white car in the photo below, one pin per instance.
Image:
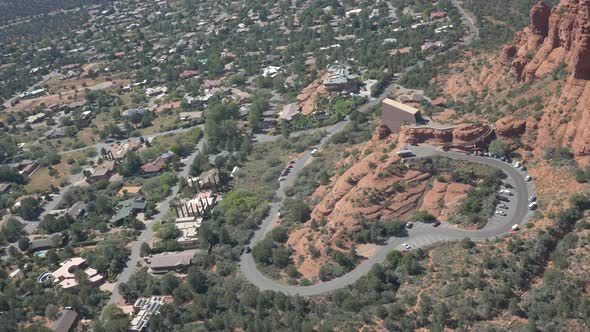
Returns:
(533, 206)
(506, 192)
(314, 151)
(406, 246)
(528, 178)
(282, 178)
(517, 164)
(500, 213)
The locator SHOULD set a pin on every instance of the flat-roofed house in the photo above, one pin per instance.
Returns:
(171, 261)
(395, 114)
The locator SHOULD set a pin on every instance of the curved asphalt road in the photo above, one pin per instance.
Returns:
(419, 236)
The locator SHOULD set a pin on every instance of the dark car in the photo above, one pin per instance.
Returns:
(436, 223)
(503, 198)
(247, 249)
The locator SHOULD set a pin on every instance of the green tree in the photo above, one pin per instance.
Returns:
(499, 147)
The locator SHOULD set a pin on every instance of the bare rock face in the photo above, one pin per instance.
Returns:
(468, 132)
(556, 40)
(508, 52)
(540, 19)
(555, 36)
(510, 127)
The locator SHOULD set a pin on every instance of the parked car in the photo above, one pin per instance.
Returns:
(533, 198)
(501, 213)
(247, 249)
(523, 168)
(503, 198)
(406, 246)
(506, 192)
(515, 228)
(517, 164)
(410, 225)
(282, 178)
(436, 223)
(502, 206)
(314, 151)
(528, 178)
(533, 206)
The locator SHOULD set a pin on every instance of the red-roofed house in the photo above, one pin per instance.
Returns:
(437, 15)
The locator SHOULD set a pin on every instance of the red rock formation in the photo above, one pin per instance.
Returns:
(510, 127)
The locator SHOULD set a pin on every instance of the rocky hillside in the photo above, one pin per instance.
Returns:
(545, 71)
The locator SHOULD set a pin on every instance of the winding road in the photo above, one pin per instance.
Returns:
(419, 236)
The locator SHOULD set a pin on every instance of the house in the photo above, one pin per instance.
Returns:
(78, 210)
(397, 51)
(207, 180)
(36, 118)
(65, 275)
(210, 84)
(395, 114)
(201, 203)
(130, 112)
(65, 322)
(5, 187)
(271, 71)
(437, 15)
(168, 106)
(190, 116)
(144, 309)
(340, 78)
(429, 45)
(289, 112)
(104, 170)
(32, 93)
(200, 101)
(159, 163)
(54, 240)
(156, 91)
(119, 151)
(188, 73)
(28, 167)
(16, 275)
(171, 261)
(128, 208)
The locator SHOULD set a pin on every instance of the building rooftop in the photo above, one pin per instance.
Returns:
(65, 322)
(169, 260)
(129, 207)
(401, 106)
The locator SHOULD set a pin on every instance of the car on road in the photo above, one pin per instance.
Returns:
(517, 164)
(247, 249)
(436, 223)
(533, 206)
(410, 225)
(314, 151)
(501, 213)
(282, 178)
(515, 228)
(503, 198)
(503, 206)
(506, 192)
(406, 246)
(533, 198)
(507, 185)
(528, 178)
(523, 168)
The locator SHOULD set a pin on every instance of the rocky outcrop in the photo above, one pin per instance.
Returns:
(556, 36)
(510, 127)
(463, 133)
